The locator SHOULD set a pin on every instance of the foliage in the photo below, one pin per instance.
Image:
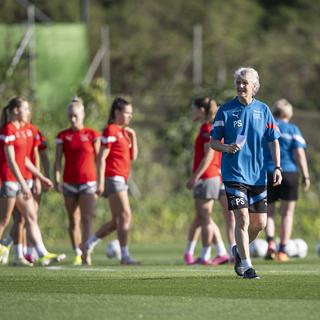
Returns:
(151, 46)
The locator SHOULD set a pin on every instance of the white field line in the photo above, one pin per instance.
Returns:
(142, 270)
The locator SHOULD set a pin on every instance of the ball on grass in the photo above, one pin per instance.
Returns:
(258, 248)
(291, 248)
(302, 248)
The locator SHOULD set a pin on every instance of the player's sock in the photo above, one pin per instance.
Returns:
(124, 252)
(7, 241)
(191, 245)
(78, 251)
(41, 250)
(18, 250)
(205, 253)
(92, 242)
(270, 239)
(221, 249)
(230, 249)
(246, 264)
(282, 247)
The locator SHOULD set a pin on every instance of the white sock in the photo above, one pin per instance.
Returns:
(92, 242)
(124, 252)
(78, 251)
(8, 241)
(246, 264)
(41, 250)
(18, 250)
(230, 249)
(221, 249)
(205, 253)
(30, 250)
(190, 247)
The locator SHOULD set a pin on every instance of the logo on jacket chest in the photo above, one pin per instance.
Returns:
(237, 123)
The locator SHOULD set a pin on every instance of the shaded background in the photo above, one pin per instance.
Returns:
(160, 55)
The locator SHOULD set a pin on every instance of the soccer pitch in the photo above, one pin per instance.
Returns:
(161, 288)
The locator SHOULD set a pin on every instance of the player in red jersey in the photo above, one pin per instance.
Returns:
(17, 234)
(14, 167)
(207, 187)
(79, 146)
(118, 148)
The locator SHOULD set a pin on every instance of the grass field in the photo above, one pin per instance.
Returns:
(161, 288)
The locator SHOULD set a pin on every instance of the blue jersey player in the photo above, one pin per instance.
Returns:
(240, 129)
(292, 146)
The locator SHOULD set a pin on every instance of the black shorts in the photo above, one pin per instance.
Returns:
(287, 190)
(241, 196)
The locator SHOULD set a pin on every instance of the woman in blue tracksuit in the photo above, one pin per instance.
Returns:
(245, 123)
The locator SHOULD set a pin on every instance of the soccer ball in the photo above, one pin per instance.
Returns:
(113, 250)
(302, 248)
(258, 248)
(291, 248)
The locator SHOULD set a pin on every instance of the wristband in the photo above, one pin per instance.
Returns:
(278, 168)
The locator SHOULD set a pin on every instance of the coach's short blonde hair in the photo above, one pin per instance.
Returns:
(248, 74)
(282, 109)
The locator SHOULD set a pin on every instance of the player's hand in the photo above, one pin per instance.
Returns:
(277, 177)
(232, 148)
(100, 189)
(306, 183)
(47, 183)
(26, 192)
(191, 182)
(58, 187)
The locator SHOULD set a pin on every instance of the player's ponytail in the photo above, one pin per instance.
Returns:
(211, 110)
(117, 104)
(208, 104)
(15, 102)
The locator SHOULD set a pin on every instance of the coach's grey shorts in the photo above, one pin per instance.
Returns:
(73, 190)
(208, 189)
(10, 189)
(113, 185)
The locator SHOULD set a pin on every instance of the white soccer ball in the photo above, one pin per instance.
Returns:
(291, 248)
(302, 248)
(113, 249)
(258, 248)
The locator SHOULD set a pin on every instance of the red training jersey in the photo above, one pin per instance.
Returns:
(203, 138)
(79, 153)
(118, 141)
(33, 141)
(43, 142)
(16, 137)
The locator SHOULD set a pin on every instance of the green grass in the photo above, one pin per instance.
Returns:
(161, 288)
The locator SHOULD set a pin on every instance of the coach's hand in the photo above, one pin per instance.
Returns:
(231, 148)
